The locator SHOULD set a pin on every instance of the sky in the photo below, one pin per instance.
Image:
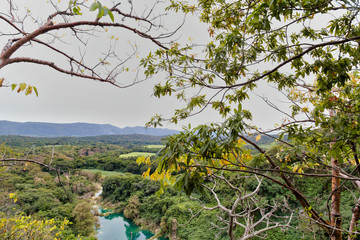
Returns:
(66, 99)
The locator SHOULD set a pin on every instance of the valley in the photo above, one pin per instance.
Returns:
(62, 188)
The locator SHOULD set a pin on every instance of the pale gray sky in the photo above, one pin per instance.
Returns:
(65, 99)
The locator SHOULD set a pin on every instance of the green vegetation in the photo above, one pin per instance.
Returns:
(138, 199)
(43, 206)
(123, 140)
(306, 184)
(25, 227)
(155, 146)
(41, 196)
(102, 172)
(136, 154)
(84, 219)
(131, 193)
(132, 209)
(305, 50)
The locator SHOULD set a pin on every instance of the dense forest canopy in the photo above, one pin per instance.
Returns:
(47, 186)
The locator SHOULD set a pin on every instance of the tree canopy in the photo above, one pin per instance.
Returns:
(305, 49)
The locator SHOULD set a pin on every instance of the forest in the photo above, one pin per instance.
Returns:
(51, 197)
(40, 204)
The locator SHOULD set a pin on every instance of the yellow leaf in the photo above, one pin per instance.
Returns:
(140, 160)
(146, 174)
(22, 86)
(222, 162)
(240, 141)
(258, 137)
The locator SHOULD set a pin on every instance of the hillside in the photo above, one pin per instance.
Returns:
(44, 129)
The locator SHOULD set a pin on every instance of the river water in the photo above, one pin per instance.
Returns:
(116, 227)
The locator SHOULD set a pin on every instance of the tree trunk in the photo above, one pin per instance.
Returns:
(355, 216)
(173, 229)
(335, 217)
(354, 219)
(231, 227)
(335, 202)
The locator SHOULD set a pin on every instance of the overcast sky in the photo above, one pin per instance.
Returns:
(65, 99)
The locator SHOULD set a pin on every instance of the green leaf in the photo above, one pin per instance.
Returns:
(36, 91)
(22, 86)
(76, 10)
(13, 86)
(101, 10)
(101, 13)
(28, 90)
(111, 16)
(93, 6)
(106, 11)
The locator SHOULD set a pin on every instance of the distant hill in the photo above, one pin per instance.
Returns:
(123, 140)
(43, 129)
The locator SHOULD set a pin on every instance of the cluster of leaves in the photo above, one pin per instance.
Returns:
(96, 5)
(21, 87)
(334, 132)
(252, 41)
(102, 10)
(197, 152)
(26, 227)
(24, 87)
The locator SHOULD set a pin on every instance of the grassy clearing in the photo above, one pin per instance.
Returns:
(266, 146)
(155, 146)
(103, 173)
(137, 154)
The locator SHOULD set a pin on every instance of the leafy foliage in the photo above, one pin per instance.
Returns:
(307, 49)
(84, 219)
(102, 10)
(24, 87)
(26, 227)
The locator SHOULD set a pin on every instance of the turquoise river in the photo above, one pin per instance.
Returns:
(116, 227)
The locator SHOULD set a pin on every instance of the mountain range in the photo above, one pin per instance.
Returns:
(44, 129)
